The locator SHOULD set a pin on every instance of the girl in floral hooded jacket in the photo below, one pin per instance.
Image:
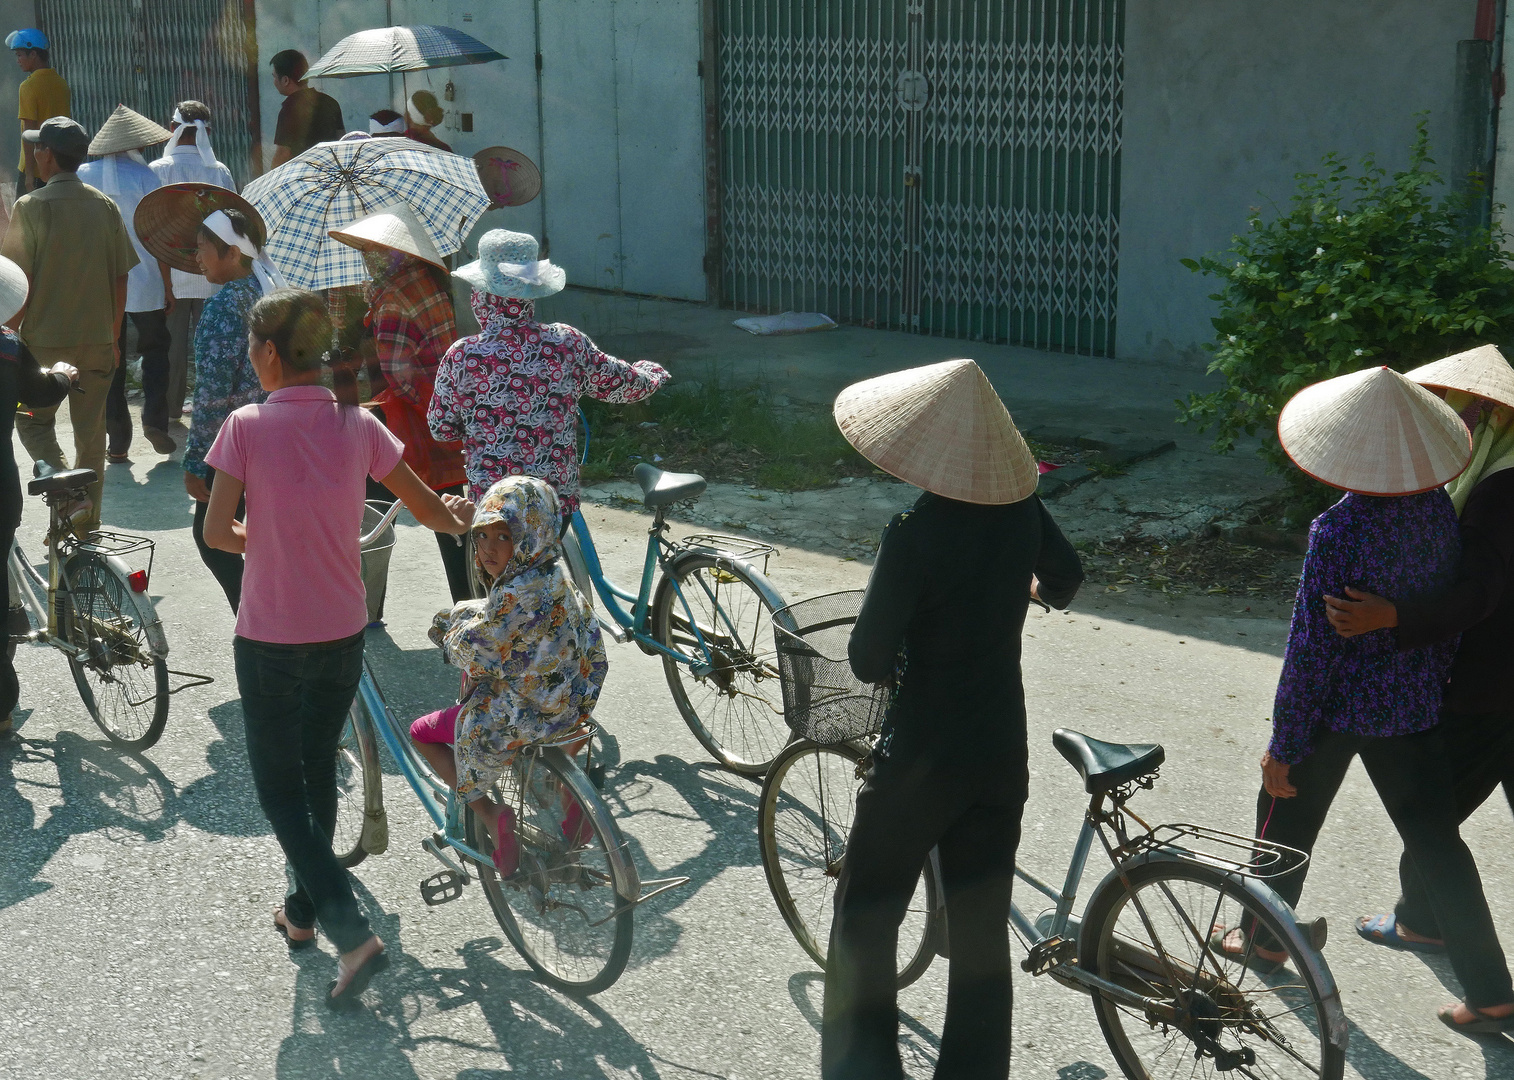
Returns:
(531, 649)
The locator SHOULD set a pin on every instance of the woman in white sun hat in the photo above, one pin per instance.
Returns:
(1391, 445)
(942, 619)
(23, 380)
(510, 393)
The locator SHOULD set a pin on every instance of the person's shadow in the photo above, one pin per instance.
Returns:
(224, 801)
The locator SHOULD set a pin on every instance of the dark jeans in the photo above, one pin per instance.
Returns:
(10, 687)
(294, 703)
(225, 565)
(152, 340)
(972, 817)
(1480, 748)
(454, 552)
(1412, 775)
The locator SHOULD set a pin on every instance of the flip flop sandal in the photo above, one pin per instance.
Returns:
(370, 967)
(1483, 1025)
(293, 943)
(1383, 930)
(1248, 955)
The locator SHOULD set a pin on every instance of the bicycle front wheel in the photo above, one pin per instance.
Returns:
(803, 821)
(1155, 938)
(353, 775)
(123, 684)
(727, 687)
(567, 908)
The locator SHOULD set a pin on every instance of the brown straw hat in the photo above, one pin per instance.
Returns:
(1374, 432)
(941, 428)
(168, 220)
(127, 129)
(394, 228)
(1482, 371)
(510, 178)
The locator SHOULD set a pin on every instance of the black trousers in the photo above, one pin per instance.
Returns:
(10, 686)
(453, 548)
(153, 341)
(1412, 775)
(294, 703)
(1480, 748)
(972, 816)
(225, 565)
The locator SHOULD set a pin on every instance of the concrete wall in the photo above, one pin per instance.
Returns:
(1225, 102)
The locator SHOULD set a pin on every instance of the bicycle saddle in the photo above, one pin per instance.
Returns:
(660, 488)
(1105, 765)
(66, 480)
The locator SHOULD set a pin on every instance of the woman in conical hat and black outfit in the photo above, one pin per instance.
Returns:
(942, 618)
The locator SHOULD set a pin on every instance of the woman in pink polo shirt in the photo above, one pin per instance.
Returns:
(302, 458)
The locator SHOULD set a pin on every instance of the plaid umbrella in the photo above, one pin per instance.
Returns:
(333, 184)
(401, 48)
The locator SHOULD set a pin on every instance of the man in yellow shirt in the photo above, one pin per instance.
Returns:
(43, 95)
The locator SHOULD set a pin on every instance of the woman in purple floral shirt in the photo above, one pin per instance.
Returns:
(1390, 445)
(510, 393)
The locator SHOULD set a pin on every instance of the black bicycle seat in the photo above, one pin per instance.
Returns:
(660, 488)
(1105, 765)
(66, 480)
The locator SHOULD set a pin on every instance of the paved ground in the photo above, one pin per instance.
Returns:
(135, 891)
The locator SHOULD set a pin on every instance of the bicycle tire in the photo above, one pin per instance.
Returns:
(123, 685)
(803, 818)
(738, 715)
(1229, 1001)
(354, 772)
(547, 908)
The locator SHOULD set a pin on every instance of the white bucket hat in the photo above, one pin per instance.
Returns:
(507, 266)
(394, 228)
(1374, 432)
(941, 428)
(13, 289)
(1482, 371)
(127, 129)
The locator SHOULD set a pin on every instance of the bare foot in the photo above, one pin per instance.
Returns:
(1234, 944)
(294, 933)
(349, 963)
(1409, 935)
(1460, 1014)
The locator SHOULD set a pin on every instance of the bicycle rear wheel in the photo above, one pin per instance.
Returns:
(567, 909)
(803, 820)
(735, 708)
(123, 685)
(1275, 1025)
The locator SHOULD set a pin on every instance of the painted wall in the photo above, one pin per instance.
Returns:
(617, 128)
(1225, 102)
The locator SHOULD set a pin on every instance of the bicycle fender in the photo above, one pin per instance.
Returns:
(1263, 895)
(724, 561)
(147, 614)
(578, 569)
(584, 792)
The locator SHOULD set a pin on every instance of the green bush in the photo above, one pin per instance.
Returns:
(1361, 269)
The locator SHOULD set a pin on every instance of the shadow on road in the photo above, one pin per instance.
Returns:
(223, 801)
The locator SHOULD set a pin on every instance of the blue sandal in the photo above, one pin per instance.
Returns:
(1383, 930)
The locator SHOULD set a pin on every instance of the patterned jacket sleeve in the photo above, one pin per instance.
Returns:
(445, 416)
(1298, 708)
(619, 382)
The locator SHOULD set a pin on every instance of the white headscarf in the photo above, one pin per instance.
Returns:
(393, 127)
(112, 178)
(202, 138)
(267, 274)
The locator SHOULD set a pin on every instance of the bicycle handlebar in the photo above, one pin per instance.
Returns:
(383, 523)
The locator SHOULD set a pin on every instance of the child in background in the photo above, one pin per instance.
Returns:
(532, 652)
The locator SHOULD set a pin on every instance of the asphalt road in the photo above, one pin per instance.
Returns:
(135, 891)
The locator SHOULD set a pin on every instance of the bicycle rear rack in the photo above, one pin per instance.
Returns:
(1259, 859)
(738, 547)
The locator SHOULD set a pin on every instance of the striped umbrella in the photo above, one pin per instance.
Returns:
(400, 48)
(333, 184)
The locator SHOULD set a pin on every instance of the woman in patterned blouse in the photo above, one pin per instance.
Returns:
(510, 393)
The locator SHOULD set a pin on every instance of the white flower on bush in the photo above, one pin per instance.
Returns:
(1359, 352)
(1334, 315)
(1319, 251)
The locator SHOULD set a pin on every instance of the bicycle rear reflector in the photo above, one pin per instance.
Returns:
(138, 581)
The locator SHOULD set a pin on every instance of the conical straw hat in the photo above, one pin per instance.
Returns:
(1374, 432)
(394, 228)
(167, 220)
(127, 130)
(1482, 371)
(941, 428)
(13, 289)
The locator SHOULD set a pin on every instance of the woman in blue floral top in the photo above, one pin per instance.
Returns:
(1390, 445)
(229, 248)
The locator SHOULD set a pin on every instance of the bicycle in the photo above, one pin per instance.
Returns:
(95, 610)
(567, 909)
(1148, 947)
(709, 617)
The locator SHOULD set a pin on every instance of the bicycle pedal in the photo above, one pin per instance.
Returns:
(1048, 954)
(441, 887)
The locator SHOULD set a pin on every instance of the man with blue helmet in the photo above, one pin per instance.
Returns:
(43, 95)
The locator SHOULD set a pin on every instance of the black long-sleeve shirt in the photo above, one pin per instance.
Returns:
(943, 613)
(1478, 604)
(21, 379)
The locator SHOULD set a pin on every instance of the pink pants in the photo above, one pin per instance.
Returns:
(436, 727)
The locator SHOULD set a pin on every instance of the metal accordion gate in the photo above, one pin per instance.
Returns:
(152, 54)
(945, 166)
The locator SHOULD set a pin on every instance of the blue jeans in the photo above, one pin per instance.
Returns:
(294, 703)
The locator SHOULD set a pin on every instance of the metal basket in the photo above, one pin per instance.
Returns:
(822, 700)
(376, 558)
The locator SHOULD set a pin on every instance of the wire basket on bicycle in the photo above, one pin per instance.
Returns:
(822, 700)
